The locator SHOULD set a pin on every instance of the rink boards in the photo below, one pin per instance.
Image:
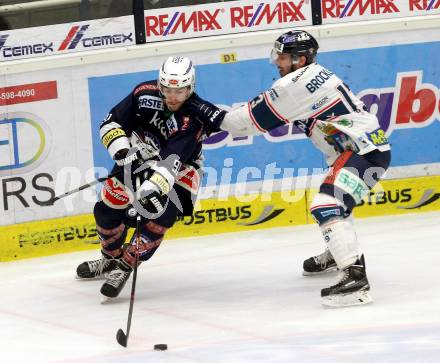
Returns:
(212, 216)
(51, 109)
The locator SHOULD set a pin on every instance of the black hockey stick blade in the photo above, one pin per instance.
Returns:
(121, 338)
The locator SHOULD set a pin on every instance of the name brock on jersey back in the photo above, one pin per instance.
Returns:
(319, 80)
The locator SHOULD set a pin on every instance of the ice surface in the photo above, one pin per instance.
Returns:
(233, 298)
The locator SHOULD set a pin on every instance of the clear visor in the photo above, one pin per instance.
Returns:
(276, 55)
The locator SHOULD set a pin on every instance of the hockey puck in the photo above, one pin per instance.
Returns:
(160, 347)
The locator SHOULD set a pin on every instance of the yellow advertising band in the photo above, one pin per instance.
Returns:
(211, 216)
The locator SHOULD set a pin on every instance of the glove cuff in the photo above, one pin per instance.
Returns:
(164, 172)
(127, 160)
(217, 119)
(147, 188)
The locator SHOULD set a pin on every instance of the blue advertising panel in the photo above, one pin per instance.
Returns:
(400, 84)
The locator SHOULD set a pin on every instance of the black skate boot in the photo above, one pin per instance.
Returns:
(320, 264)
(352, 289)
(116, 280)
(97, 269)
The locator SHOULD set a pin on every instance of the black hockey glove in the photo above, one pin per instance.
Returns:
(210, 115)
(153, 201)
(154, 190)
(144, 147)
(125, 157)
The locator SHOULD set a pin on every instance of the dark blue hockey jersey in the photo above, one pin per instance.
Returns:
(144, 109)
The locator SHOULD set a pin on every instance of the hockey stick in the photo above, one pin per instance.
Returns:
(82, 187)
(121, 337)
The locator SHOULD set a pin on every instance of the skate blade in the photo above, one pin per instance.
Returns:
(346, 300)
(97, 278)
(77, 278)
(325, 272)
(105, 300)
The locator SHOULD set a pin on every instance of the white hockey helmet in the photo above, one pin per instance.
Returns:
(177, 72)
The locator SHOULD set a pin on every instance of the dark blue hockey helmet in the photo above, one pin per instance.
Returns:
(296, 43)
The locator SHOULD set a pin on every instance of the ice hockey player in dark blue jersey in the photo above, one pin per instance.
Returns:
(148, 134)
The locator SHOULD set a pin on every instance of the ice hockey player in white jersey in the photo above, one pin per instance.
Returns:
(356, 149)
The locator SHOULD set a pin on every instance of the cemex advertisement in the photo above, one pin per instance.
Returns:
(198, 21)
(66, 38)
(225, 18)
(397, 83)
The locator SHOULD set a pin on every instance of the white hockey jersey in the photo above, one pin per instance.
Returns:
(320, 105)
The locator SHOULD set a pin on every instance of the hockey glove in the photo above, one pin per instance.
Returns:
(152, 200)
(144, 147)
(124, 157)
(153, 191)
(146, 143)
(210, 115)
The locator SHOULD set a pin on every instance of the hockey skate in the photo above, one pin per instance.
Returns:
(352, 289)
(319, 264)
(96, 269)
(116, 280)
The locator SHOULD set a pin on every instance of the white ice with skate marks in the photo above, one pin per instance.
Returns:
(233, 298)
